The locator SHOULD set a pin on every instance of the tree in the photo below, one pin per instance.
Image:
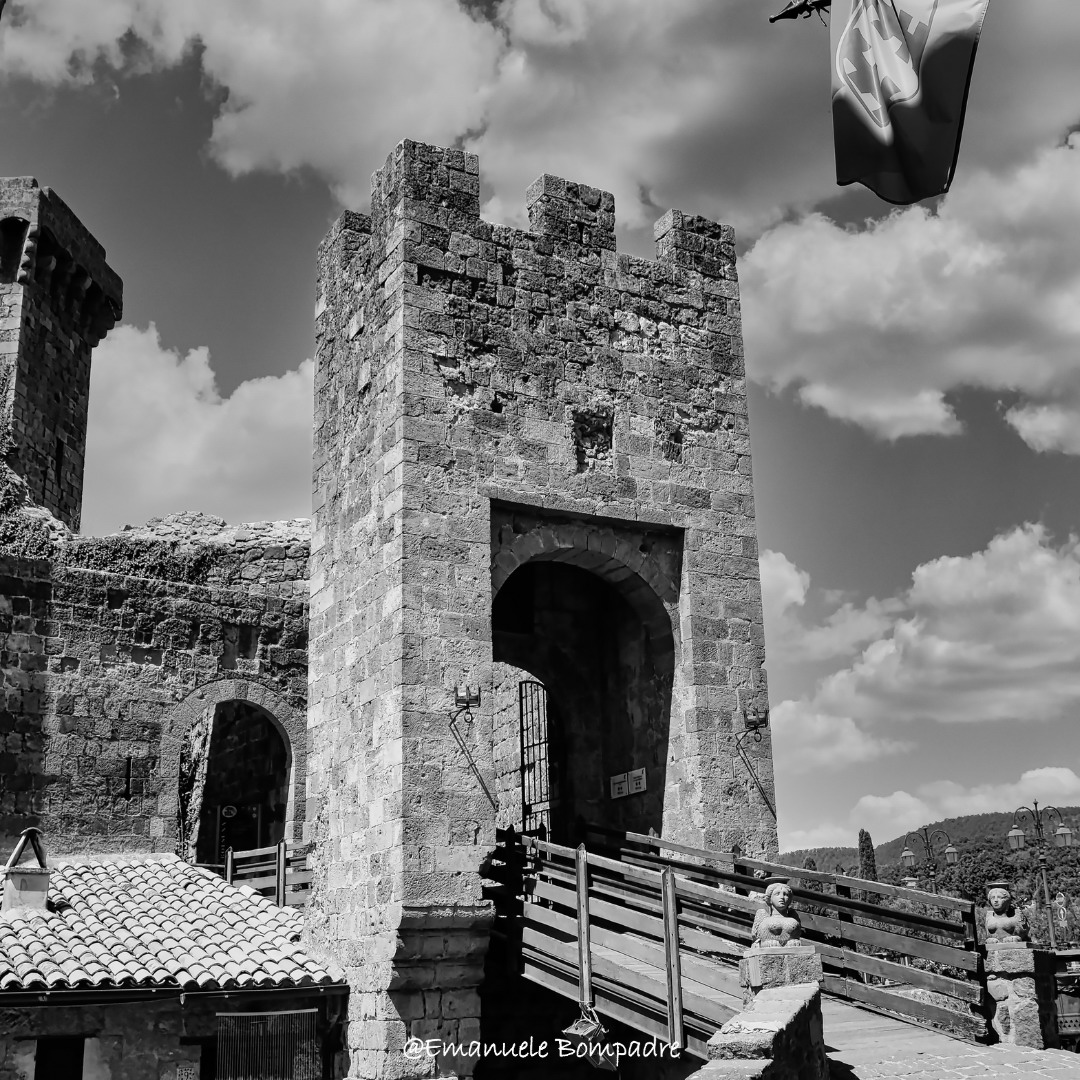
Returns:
(812, 885)
(867, 859)
(867, 864)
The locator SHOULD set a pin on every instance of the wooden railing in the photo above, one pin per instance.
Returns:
(902, 950)
(280, 871)
(635, 943)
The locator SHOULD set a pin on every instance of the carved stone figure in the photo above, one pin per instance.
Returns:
(777, 923)
(1004, 921)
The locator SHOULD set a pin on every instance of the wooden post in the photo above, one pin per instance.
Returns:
(844, 891)
(676, 1035)
(971, 943)
(585, 991)
(282, 865)
(229, 865)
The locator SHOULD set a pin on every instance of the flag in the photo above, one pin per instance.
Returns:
(900, 76)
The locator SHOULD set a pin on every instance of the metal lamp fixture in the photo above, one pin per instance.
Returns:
(1063, 837)
(755, 717)
(467, 698)
(925, 838)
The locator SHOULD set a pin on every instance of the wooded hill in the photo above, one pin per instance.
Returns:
(984, 856)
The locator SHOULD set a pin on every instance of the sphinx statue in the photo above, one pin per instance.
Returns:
(777, 923)
(1004, 921)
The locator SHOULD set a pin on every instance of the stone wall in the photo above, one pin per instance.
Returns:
(110, 647)
(58, 298)
(148, 1039)
(778, 1037)
(463, 367)
(1022, 994)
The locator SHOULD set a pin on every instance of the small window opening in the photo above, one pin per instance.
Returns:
(12, 238)
(59, 1057)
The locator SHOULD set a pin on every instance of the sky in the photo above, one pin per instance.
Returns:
(913, 374)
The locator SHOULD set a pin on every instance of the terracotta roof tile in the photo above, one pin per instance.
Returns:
(161, 923)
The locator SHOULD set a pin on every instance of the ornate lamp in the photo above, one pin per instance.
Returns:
(1063, 837)
(925, 838)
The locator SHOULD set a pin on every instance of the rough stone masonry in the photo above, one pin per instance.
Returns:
(113, 648)
(500, 409)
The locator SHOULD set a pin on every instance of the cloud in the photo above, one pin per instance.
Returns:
(877, 326)
(788, 632)
(889, 816)
(161, 438)
(805, 741)
(689, 103)
(1047, 427)
(992, 636)
(900, 811)
(325, 85)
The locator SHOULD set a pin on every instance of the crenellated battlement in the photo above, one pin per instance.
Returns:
(532, 469)
(44, 244)
(58, 299)
(440, 188)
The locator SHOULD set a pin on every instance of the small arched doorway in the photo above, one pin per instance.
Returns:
(604, 654)
(234, 782)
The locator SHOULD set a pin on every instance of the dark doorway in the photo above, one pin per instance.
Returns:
(608, 692)
(246, 787)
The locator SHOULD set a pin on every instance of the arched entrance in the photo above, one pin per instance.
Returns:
(603, 649)
(233, 781)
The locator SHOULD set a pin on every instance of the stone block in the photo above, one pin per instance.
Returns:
(762, 969)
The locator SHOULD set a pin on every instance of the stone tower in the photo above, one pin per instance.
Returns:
(531, 475)
(58, 299)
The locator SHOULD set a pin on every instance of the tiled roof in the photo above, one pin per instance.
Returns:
(161, 923)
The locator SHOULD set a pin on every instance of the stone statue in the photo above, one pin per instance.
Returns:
(777, 923)
(1004, 921)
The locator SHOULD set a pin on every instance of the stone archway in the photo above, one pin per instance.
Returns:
(590, 614)
(288, 721)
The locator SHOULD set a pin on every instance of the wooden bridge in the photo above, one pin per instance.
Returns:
(649, 933)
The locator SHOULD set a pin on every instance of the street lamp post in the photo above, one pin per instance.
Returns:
(1063, 837)
(926, 837)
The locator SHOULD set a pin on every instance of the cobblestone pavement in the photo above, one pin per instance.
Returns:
(967, 1063)
(864, 1045)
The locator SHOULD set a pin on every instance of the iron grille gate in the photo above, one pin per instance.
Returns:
(268, 1046)
(535, 758)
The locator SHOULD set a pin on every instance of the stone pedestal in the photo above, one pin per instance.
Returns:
(779, 1034)
(1021, 984)
(788, 965)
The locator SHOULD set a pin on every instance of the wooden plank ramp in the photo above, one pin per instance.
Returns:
(653, 942)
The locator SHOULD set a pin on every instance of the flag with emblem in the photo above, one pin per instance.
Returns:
(900, 76)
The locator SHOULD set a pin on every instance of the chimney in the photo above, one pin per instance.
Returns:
(26, 887)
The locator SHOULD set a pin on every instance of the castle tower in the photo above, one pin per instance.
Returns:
(532, 476)
(58, 299)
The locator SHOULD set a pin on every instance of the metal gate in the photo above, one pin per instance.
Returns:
(268, 1046)
(536, 797)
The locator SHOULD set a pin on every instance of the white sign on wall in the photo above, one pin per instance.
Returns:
(627, 783)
